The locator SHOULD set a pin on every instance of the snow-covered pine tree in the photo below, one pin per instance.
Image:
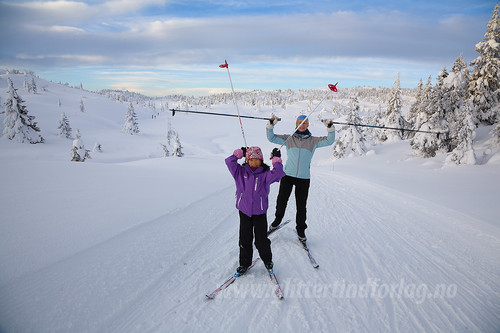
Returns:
(427, 144)
(484, 85)
(32, 88)
(82, 105)
(257, 107)
(322, 114)
(352, 142)
(170, 132)
(464, 152)
(393, 115)
(165, 150)
(422, 104)
(411, 116)
(98, 147)
(454, 99)
(64, 127)
(78, 152)
(177, 150)
(131, 126)
(18, 124)
(441, 110)
(495, 135)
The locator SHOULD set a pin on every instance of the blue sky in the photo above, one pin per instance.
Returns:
(160, 47)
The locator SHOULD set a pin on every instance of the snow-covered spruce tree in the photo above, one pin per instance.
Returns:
(427, 144)
(352, 142)
(98, 147)
(454, 96)
(78, 152)
(322, 114)
(165, 150)
(393, 115)
(82, 106)
(64, 127)
(18, 124)
(170, 132)
(441, 111)
(464, 152)
(484, 85)
(411, 116)
(131, 125)
(32, 88)
(495, 135)
(177, 150)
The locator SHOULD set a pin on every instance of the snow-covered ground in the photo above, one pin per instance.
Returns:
(130, 241)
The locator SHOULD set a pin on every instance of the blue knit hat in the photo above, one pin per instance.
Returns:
(302, 117)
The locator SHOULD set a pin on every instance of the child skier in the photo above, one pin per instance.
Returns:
(253, 181)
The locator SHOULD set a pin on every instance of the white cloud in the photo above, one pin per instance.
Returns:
(65, 58)
(117, 7)
(64, 29)
(265, 48)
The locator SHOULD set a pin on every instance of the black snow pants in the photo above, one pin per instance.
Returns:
(248, 226)
(301, 194)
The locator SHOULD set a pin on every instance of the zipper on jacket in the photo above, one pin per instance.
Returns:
(256, 180)
(298, 163)
(239, 199)
(261, 204)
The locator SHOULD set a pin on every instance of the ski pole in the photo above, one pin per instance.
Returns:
(389, 128)
(219, 114)
(226, 66)
(332, 87)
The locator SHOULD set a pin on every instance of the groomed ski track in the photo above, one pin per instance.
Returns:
(382, 254)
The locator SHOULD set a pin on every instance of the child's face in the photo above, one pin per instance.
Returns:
(254, 162)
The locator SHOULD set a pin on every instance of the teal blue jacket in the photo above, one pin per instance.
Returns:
(300, 150)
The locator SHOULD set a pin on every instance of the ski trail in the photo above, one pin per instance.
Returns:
(110, 276)
(378, 237)
(383, 258)
(383, 255)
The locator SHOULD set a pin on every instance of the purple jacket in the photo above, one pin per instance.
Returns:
(252, 187)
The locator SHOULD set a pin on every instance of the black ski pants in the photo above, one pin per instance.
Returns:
(250, 225)
(301, 193)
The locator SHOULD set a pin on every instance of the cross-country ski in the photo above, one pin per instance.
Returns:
(277, 288)
(309, 255)
(229, 281)
(270, 231)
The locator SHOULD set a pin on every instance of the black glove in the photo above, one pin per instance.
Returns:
(244, 151)
(327, 122)
(275, 153)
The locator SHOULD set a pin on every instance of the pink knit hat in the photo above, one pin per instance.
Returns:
(254, 152)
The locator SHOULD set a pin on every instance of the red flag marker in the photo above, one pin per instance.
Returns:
(224, 65)
(333, 87)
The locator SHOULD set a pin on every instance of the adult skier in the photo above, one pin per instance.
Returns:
(300, 150)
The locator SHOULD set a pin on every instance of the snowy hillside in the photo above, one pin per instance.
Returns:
(131, 241)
